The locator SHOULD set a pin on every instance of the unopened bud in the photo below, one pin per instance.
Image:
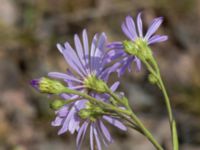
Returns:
(55, 105)
(46, 85)
(84, 113)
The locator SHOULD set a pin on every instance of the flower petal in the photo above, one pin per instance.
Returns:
(138, 63)
(71, 58)
(115, 122)
(115, 45)
(97, 138)
(139, 25)
(92, 52)
(127, 32)
(81, 135)
(153, 27)
(115, 86)
(99, 53)
(91, 137)
(105, 131)
(131, 27)
(74, 124)
(80, 51)
(57, 121)
(157, 39)
(63, 111)
(59, 75)
(86, 48)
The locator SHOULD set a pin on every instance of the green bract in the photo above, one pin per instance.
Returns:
(91, 112)
(50, 86)
(98, 85)
(138, 48)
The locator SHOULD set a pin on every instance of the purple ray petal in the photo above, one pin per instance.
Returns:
(131, 27)
(126, 31)
(77, 87)
(97, 138)
(115, 122)
(115, 86)
(115, 45)
(138, 63)
(101, 134)
(65, 125)
(74, 124)
(157, 39)
(117, 54)
(139, 25)
(100, 46)
(86, 48)
(63, 111)
(85, 42)
(126, 61)
(73, 55)
(105, 131)
(99, 53)
(91, 137)
(59, 75)
(81, 135)
(92, 51)
(79, 51)
(153, 27)
(105, 73)
(71, 59)
(57, 121)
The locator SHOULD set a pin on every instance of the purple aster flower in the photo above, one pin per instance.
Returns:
(88, 64)
(69, 119)
(135, 34)
(85, 61)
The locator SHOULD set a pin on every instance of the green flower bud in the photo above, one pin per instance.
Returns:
(91, 82)
(91, 112)
(84, 113)
(55, 105)
(50, 86)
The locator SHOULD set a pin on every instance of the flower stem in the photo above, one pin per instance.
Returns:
(136, 120)
(128, 112)
(156, 72)
(146, 132)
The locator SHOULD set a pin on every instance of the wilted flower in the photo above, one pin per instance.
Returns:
(137, 47)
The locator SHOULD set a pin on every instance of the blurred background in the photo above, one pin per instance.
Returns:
(29, 31)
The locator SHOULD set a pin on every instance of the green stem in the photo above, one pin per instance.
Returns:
(167, 101)
(171, 120)
(94, 100)
(146, 132)
(121, 111)
(137, 122)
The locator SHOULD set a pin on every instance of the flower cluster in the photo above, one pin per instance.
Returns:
(84, 94)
